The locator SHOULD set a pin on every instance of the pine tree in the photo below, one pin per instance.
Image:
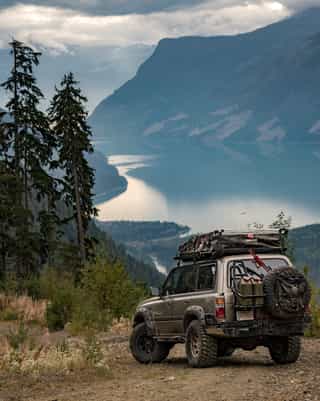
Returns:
(28, 145)
(69, 123)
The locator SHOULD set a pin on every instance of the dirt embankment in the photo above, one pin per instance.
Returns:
(246, 376)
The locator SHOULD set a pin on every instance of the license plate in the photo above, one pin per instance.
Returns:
(245, 315)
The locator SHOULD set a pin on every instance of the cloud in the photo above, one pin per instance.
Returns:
(59, 28)
(108, 7)
(123, 7)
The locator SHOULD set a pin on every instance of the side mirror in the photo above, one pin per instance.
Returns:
(155, 292)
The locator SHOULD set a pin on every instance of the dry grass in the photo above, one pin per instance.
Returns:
(40, 356)
(121, 327)
(22, 308)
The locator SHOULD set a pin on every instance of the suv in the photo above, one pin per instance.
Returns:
(228, 291)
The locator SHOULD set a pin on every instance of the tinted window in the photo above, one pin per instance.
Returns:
(181, 280)
(207, 277)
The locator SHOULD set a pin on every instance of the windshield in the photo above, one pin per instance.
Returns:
(252, 267)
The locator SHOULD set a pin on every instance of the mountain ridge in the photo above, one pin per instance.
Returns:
(256, 86)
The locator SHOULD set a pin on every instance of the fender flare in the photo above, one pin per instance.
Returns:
(194, 313)
(145, 315)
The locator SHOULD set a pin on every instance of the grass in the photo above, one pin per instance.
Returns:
(25, 354)
(22, 308)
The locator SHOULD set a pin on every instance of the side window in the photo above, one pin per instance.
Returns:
(180, 281)
(207, 277)
(171, 283)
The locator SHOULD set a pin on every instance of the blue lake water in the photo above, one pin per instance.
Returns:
(223, 187)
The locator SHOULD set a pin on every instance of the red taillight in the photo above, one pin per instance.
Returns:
(220, 309)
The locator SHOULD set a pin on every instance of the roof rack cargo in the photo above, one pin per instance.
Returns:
(221, 243)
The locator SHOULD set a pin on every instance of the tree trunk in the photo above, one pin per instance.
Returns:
(16, 128)
(80, 229)
(25, 179)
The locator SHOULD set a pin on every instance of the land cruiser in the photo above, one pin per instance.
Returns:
(228, 291)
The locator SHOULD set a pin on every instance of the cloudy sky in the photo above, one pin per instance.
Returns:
(131, 27)
(59, 24)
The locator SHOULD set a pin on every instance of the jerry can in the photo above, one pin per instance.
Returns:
(251, 291)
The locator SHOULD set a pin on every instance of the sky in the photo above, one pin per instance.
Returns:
(96, 27)
(59, 24)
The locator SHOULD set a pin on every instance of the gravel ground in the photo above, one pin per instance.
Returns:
(247, 376)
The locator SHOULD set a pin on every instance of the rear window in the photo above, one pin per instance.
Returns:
(250, 266)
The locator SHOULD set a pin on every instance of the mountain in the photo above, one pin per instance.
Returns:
(159, 242)
(138, 268)
(260, 86)
(108, 182)
(100, 70)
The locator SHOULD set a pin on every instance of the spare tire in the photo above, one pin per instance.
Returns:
(287, 293)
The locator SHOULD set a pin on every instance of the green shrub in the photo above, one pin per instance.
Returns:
(16, 338)
(59, 310)
(9, 315)
(87, 316)
(314, 329)
(92, 351)
(111, 289)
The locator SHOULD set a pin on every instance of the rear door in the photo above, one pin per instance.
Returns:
(185, 286)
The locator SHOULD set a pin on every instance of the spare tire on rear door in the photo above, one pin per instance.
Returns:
(287, 293)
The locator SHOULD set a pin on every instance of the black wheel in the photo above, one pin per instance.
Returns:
(201, 349)
(285, 350)
(287, 293)
(145, 349)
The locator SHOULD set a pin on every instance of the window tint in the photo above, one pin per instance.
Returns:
(181, 280)
(207, 277)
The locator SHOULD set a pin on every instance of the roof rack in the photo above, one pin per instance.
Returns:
(221, 243)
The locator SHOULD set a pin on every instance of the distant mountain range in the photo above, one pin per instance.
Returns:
(260, 86)
(159, 242)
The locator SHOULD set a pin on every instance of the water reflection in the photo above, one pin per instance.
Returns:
(222, 187)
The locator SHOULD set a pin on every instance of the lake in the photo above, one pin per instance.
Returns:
(226, 187)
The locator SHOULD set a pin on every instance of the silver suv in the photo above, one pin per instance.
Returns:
(223, 295)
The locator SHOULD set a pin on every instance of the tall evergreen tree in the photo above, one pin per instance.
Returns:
(28, 146)
(69, 123)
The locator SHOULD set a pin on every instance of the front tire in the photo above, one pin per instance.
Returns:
(285, 350)
(201, 349)
(144, 348)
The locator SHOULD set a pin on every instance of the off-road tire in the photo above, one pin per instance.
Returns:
(207, 351)
(284, 350)
(289, 305)
(156, 351)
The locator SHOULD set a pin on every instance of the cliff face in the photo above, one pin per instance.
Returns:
(260, 87)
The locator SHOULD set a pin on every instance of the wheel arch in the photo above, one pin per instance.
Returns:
(144, 316)
(193, 313)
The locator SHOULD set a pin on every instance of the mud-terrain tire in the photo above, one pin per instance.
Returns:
(201, 349)
(284, 350)
(287, 293)
(145, 349)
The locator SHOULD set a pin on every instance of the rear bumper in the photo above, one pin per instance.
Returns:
(256, 328)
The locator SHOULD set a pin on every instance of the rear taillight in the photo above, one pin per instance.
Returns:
(220, 308)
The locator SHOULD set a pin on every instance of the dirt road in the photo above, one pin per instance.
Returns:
(247, 376)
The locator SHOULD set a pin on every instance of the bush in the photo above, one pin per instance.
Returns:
(16, 338)
(59, 310)
(110, 288)
(314, 329)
